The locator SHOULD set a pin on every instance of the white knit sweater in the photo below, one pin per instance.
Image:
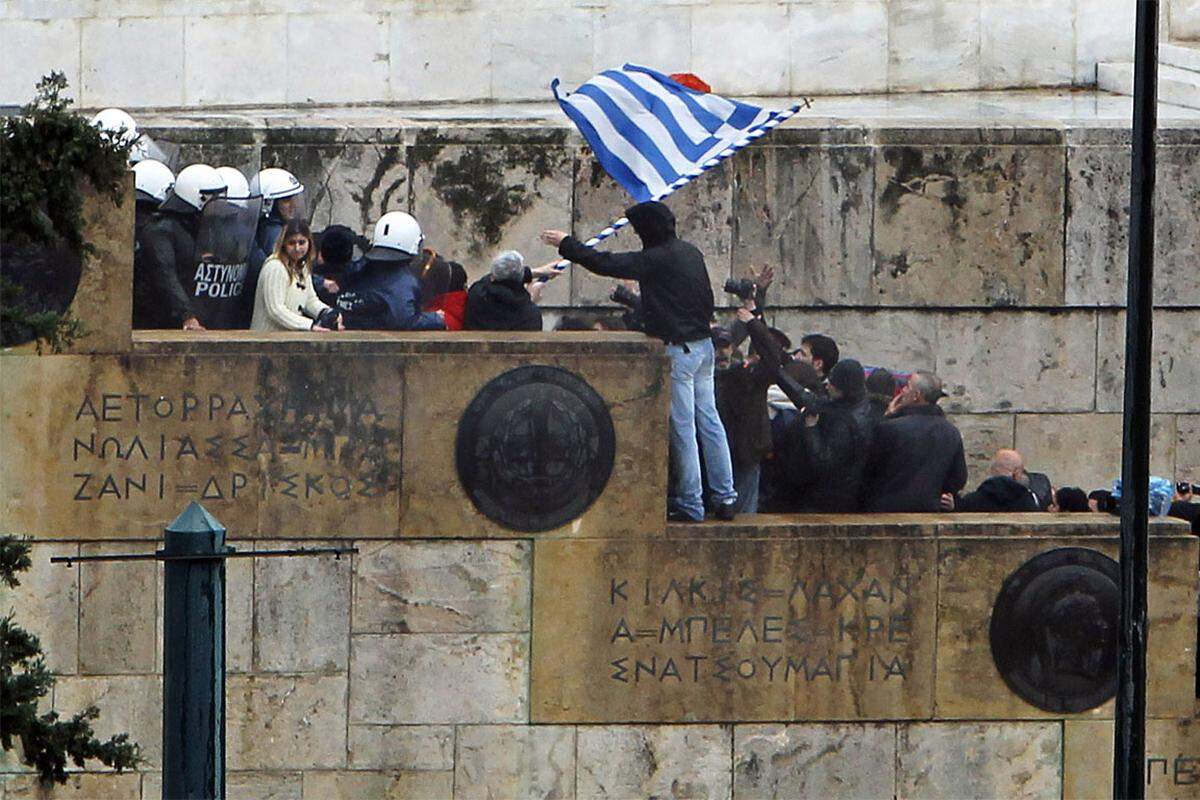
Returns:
(281, 301)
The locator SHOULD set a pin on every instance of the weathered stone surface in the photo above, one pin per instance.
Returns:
(116, 80)
(515, 761)
(839, 51)
(79, 786)
(246, 158)
(257, 785)
(296, 722)
(850, 762)
(239, 612)
(720, 630)
(1187, 447)
(117, 629)
(291, 632)
(1098, 225)
(806, 211)
(474, 201)
(349, 184)
(47, 605)
(1084, 450)
(968, 225)
(1175, 377)
(385, 785)
(228, 80)
(994, 759)
(1022, 43)
(1006, 361)
(912, 25)
(407, 747)
(128, 704)
(434, 503)
(704, 216)
(434, 678)
(899, 340)
(622, 761)
(983, 435)
(294, 446)
(442, 587)
(971, 572)
(1172, 758)
(346, 55)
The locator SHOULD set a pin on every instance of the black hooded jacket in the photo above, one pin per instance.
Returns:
(500, 306)
(998, 493)
(677, 299)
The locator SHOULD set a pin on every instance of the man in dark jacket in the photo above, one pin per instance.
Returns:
(916, 454)
(499, 300)
(830, 440)
(385, 295)
(1005, 488)
(677, 304)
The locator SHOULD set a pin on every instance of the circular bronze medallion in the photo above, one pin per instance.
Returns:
(535, 448)
(1054, 629)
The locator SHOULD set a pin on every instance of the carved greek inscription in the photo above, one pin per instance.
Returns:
(804, 629)
(214, 446)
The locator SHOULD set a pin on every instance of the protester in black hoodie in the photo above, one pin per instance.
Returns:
(499, 301)
(677, 302)
(1003, 490)
(916, 453)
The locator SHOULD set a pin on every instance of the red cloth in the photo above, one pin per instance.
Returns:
(453, 305)
(691, 81)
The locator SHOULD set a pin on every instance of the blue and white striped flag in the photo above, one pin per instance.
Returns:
(653, 134)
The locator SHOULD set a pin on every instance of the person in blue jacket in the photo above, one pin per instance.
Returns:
(385, 294)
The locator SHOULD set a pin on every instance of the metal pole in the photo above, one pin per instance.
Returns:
(1129, 755)
(194, 658)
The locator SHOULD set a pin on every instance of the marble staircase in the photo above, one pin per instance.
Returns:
(1178, 74)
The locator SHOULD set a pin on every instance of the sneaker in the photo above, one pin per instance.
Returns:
(678, 515)
(726, 512)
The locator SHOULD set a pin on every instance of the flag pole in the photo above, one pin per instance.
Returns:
(751, 136)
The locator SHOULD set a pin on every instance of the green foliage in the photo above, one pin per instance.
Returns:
(51, 328)
(44, 152)
(47, 742)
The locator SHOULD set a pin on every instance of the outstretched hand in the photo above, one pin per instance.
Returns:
(764, 277)
(547, 271)
(745, 314)
(552, 237)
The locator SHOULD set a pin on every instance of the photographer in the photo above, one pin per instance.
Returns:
(830, 440)
(1185, 506)
(677, 304)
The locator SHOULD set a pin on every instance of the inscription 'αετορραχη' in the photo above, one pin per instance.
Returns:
(211, 446)
(805, 629)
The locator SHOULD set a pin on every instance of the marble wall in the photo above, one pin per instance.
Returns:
(131, 53)
(411, 677)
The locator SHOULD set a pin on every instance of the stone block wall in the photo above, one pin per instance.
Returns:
(406, 670)
(144, 53)
(995, 256)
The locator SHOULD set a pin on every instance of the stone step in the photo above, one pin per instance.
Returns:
(1184, 55)
(1177, 86)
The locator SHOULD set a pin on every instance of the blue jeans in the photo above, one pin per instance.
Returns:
(746, 483)
(694, 411)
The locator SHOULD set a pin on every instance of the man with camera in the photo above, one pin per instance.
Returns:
(677, 304)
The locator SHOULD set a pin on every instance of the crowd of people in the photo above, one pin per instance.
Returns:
(765, 426)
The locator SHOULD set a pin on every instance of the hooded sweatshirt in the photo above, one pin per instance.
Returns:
(998, 493)
(677, 299)
(500, 306)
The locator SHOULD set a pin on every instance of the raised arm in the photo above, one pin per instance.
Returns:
(628, 266)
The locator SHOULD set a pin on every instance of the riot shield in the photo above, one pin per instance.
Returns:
(226, 231)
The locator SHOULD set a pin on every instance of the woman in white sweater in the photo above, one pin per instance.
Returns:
(285, 299)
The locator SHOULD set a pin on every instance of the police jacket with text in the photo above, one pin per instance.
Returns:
(677, 299)
(181, 285)
(385, 296)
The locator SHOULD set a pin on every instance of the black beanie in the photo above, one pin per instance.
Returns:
(847, 376)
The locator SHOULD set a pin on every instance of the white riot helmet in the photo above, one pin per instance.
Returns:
(152, 179)
(118, 123)
(236, 187)
(274, 184)
(396, 235)
(196, 185)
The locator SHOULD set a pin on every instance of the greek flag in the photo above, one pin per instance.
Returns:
(653, 135)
